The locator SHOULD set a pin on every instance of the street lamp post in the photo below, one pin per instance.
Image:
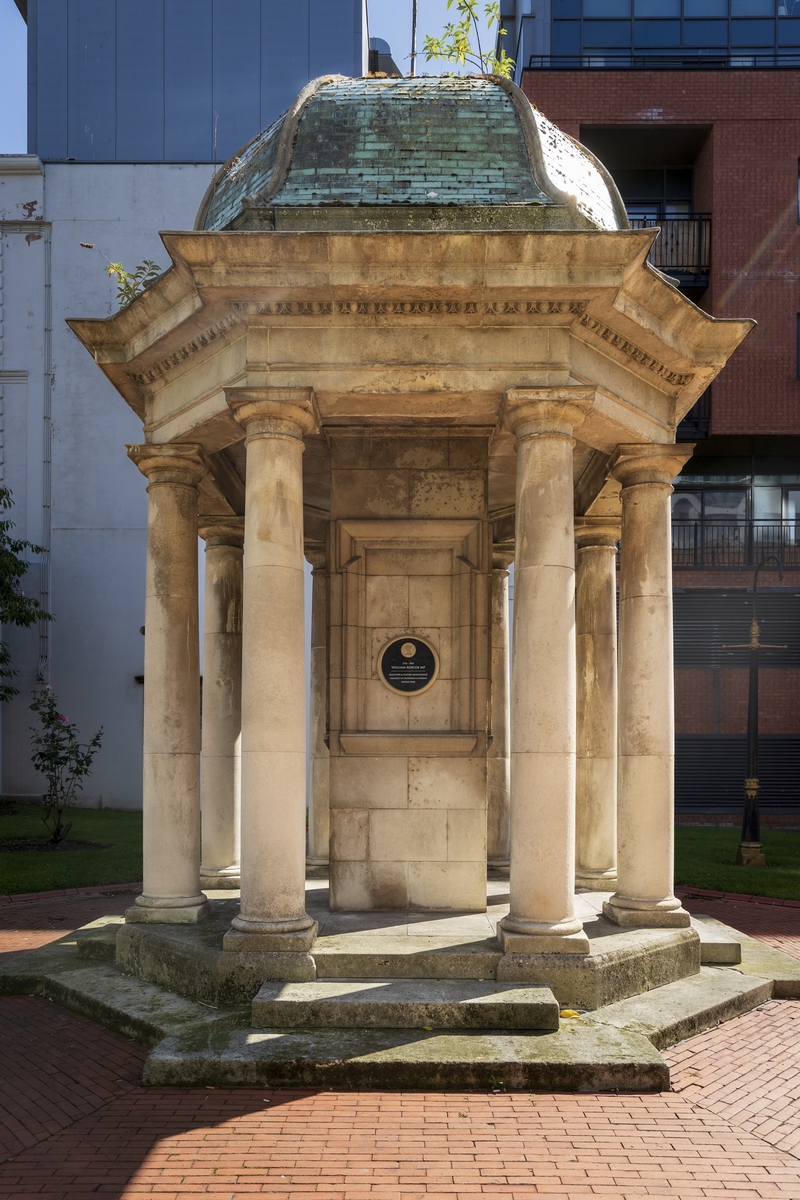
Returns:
(751, 852)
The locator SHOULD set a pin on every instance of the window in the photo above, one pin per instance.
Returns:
(656, 8)
(752, 33)
(657, 33)
(705, 33)
(705, 8)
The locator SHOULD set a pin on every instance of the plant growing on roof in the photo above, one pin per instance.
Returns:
(129, 283)
(15, 607)
(456, 44)
(62, 759)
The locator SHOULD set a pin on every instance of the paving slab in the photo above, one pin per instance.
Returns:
(404, 1004)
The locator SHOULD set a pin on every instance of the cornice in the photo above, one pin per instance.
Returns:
(635, 353)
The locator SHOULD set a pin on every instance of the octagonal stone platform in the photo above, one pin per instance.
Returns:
(412, 945)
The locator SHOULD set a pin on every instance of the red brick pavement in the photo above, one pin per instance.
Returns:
(26, 925)
(76, 1123)
(776, 924)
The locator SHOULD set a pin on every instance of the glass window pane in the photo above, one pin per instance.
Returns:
(752, 8)
(686, 506)
(766, 503)
(657, 33)
(705, 8)
(656, 8)
(789, 32)
(678, 184)
(606, 8)
(608, 34)
(752, 33)
(566, 8)
(705, 33)
(566, 37)
(725, 507)
(793, 504)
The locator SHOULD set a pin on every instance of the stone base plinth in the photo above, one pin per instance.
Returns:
(188, 915)
(646, 918)
(224, 878)
(255, 942)
(557, 943)
(750, 854)
(595, 881)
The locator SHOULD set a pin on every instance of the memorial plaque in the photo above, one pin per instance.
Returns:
(407, 665)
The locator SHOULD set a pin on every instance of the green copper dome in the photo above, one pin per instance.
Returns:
(432, 143)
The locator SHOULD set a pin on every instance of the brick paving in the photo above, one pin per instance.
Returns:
(28, 924)
(75, 1122)
(776, 924)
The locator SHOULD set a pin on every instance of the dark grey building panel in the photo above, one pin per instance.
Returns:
(176, 80)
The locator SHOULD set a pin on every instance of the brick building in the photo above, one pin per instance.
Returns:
(703, 138)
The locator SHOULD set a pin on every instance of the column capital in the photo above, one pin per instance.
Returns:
(648, 462)
(597, 531)
(173, 462)
(557, 411)
(501, 558)
(317, 556)
(274, 412)
(222, 531)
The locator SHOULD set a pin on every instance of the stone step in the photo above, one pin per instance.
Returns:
(404, 1004)
(716, 945)
(581, 1057)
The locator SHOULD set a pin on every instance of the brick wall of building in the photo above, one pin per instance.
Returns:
(708, 701)
(747, 177)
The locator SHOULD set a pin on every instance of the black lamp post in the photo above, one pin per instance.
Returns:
(751, 852)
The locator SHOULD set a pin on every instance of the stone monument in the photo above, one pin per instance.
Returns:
(413, 338)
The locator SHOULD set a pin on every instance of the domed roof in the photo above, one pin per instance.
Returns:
(465, 142)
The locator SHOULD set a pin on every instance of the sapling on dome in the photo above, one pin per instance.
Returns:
(62, 759)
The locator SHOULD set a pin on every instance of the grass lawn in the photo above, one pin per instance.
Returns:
(705, 858)
(43, 871)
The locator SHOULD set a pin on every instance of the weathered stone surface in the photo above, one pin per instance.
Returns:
(578, 1058)
(716, 946)
(679, 1010)
(412, 1004)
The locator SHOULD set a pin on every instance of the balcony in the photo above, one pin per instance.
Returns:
(682, 249)
(732, 544)
(667, 60)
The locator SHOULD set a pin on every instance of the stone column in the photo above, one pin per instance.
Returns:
(222, 701)
(543, 681)
(171, 794)
(498, 763)
(596, 628)
(272, 918)
(319, 784)
(645, 803)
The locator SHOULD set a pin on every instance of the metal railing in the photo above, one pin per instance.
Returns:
(734, 544)
(683, 248)
(676, 61)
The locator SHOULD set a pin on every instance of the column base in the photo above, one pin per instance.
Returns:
(222, 877)
(589, 880)
(317, 860)
(750, 854)
(534, 937)
(501, 866)
(292, 942)
(644, 914)
(149, 911)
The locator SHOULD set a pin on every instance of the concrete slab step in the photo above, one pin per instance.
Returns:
(679, 1010)
(716, 944)
(579, 1058)
(392, 957)
(404, 1004)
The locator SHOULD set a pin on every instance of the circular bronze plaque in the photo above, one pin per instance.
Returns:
(407, 664)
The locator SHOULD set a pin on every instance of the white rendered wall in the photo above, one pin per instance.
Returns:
(98, 505)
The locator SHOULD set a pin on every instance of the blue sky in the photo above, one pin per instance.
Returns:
(389, 19)
(13, 75)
